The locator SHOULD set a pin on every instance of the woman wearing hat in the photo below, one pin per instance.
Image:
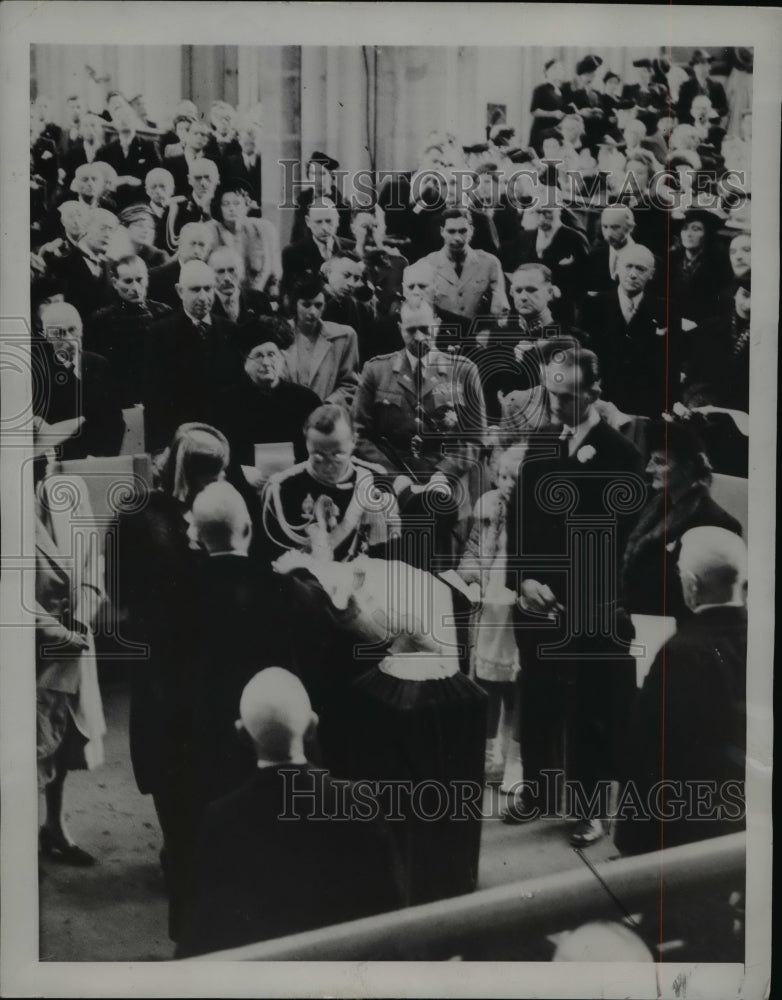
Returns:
(679, 499)
(263, 408)
(586, 99)
(548, 103)
(698, 268)
(256, 240)
(700, 83)
(320, 183)
(717, 373)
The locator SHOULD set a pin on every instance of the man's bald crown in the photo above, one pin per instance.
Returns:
(276, 713)
(221, 518)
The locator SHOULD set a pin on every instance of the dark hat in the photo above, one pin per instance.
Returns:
(235, 185)
(662, 65)
(745, 282)
(710, 219)
(135, 212)
(548, 64)
(625, 104)
(611, 76)
(589, 64)
(550, 133)
(501, 135)
(518, 155)
(479, 147)
(743, 59)
(265, 330)
(675, 439)
(700, 56)
(643, 63)
(324, 160)
(716, 135)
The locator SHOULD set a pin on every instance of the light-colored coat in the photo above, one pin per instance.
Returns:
(68, 582)
(333, 374)
(481, 278)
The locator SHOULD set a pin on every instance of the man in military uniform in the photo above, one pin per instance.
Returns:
(420, 413)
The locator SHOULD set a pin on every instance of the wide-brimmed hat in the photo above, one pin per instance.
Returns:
(266, 330)
(324, 160)
(643, 64)
(675, 439)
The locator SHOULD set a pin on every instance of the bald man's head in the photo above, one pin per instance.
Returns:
(616, 223)
(418, 282)
(196, 289)
(634, 268)
(221, 522)
(276, 714)
(601, 941)
(713, 567)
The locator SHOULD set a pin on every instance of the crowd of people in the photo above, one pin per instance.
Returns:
(465, 378)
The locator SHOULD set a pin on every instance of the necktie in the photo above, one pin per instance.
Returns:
(612, 262)
(457, 266)
(495, 238)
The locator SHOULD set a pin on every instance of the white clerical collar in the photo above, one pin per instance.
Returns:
(206, 321)
(726, 604)
(263, 764)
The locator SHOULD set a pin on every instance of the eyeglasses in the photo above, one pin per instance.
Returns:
(412, 330)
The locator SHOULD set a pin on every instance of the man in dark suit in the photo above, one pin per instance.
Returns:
(636, 337)
(257, 876)
(71, 133)
(85, 273)
(85, 149)
(233, 302)
(320, 243)
(195, 243)
(79, 384)
(617, 224)
(496, 223)
(577, 678)
(191, 361)
(700, 83)
(223, 141)
(131, 156)
(562, 249)
(196, 206)
(344, 277)
(244, 162)
(195, 148)
(690, 724)
(322, 183)
(118, 331)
